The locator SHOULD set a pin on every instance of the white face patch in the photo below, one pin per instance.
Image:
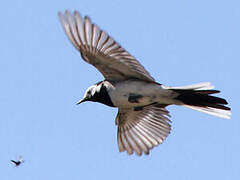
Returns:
(92, 90)
(96, 88)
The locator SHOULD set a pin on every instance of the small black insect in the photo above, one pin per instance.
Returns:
(18, 162)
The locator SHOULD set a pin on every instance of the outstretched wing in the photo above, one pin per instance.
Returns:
(100, 50)
(15, 162)
(140, 131)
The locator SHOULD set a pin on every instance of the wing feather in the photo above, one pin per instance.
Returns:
(100, 50)
(140, 131)
(68, 29)
(80, 28)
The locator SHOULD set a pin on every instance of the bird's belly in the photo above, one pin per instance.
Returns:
(134, 93)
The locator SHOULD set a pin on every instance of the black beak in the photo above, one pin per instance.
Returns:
(81, 101)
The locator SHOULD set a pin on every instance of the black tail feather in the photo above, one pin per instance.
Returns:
(201, 98)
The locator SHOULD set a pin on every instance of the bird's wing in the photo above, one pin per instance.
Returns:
(142, 130)
(100, 50)
(15, 162)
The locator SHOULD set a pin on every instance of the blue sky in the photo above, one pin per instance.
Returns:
(42, 77)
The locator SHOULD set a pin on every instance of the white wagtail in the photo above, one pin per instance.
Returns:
(142, 117)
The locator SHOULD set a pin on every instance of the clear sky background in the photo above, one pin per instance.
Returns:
(42, 77)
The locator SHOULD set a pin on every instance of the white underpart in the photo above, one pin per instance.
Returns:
(150, 93)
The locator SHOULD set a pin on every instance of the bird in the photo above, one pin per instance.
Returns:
(143, 122)
(18, 162)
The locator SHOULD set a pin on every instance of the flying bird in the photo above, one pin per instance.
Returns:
(18, 162)
(142, 119)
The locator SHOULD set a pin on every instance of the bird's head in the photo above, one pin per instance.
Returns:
(98, 93)
(91, 93)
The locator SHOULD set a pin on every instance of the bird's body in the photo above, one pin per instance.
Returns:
(135, 93)
(142, 118)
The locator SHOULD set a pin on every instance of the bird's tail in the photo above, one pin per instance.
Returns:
(199, 97)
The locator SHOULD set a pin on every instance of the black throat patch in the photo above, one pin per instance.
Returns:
(102, 97)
